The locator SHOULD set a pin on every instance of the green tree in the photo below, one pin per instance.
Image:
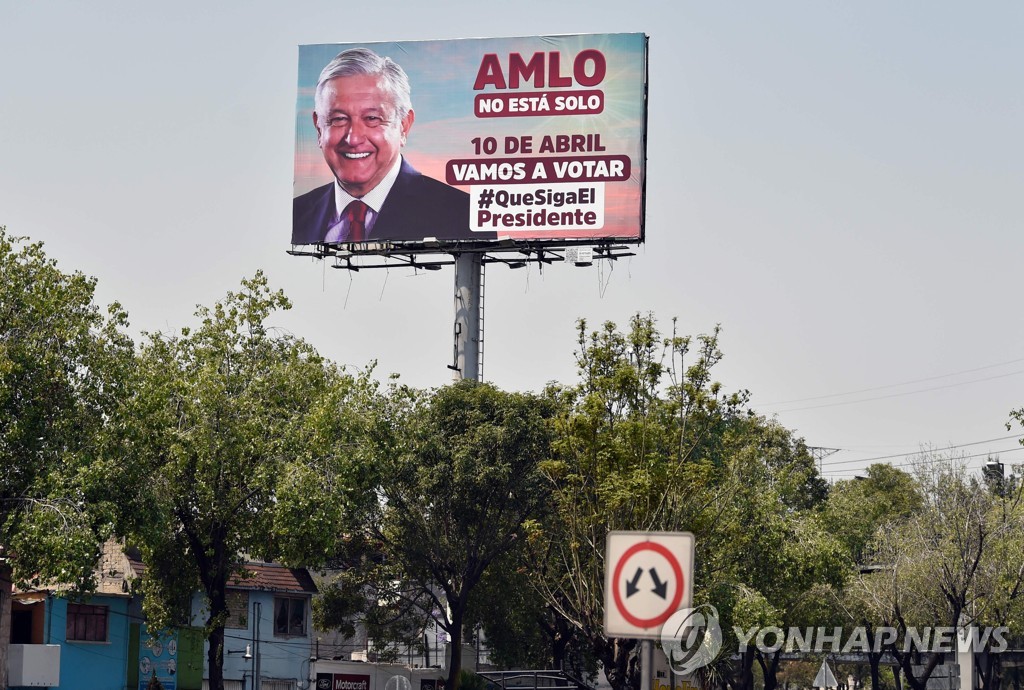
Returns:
(857, 509)
(639, 446)
(236, 440)
(772, 555)
(520, 629)
(954, 562)
(61, 365)
(648, 441)
(459, 487)
(509, 613)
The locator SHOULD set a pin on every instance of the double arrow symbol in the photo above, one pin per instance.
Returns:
(660, 588)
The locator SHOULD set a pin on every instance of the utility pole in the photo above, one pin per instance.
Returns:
(819, 454)
(468, 331)
(257, 609)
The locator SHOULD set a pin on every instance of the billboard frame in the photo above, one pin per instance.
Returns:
(434, 258)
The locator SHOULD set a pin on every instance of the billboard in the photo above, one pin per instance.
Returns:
(469, 143)
(158, 658)
(342, 681)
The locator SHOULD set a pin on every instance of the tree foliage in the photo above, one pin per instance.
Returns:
(467, 506)
(236, 441)
(857, 508)
(62, 366)
(949, 562)
(647, 440)
(62, 362)
(521, 630)
(459, 486)
(768, 554)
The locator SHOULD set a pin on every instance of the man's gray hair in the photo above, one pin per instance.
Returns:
(363, 61)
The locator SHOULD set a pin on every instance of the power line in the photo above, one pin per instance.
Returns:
(894, 385)
(898, 395)
(962, 457)
(919, 451)
(935, 460)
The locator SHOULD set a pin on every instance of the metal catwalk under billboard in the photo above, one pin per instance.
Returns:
(472, 141)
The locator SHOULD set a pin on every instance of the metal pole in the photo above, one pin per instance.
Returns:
(646, 664)
(467, 316)
(252, 661)
(257, 681)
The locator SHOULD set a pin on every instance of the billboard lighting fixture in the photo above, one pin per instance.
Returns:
(338, 263)
(580, 256)
(541, 258)
(427, 266)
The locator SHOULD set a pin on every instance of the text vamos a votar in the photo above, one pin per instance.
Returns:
(772, 639)
(604, 168)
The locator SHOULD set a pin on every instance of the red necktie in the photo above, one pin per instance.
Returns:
(355, 213)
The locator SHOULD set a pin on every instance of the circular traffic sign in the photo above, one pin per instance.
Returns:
(677, 595)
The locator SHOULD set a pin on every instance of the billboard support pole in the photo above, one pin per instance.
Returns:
(646, 664)
(468, 307)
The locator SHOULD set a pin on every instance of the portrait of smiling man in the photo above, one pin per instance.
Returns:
(363, 115)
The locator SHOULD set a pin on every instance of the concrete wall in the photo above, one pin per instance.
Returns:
(91, 665)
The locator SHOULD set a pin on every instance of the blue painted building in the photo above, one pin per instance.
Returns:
(269, 631)
(101, 642)
(93, 634)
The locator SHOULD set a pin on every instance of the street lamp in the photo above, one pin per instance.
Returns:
(247, 654)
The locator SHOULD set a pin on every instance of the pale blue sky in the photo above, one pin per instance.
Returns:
(838, 185)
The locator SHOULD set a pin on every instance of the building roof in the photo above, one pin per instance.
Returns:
(135, 561)
(269, 577)
(274, 578)
(119, 565)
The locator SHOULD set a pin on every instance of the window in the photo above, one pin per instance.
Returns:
(289, 616)
(238, 609)
(86, 623)
(21, 627)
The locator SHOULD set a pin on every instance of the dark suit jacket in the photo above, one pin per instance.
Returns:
(416, 207)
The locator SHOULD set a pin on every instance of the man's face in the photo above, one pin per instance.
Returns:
(358, 131)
